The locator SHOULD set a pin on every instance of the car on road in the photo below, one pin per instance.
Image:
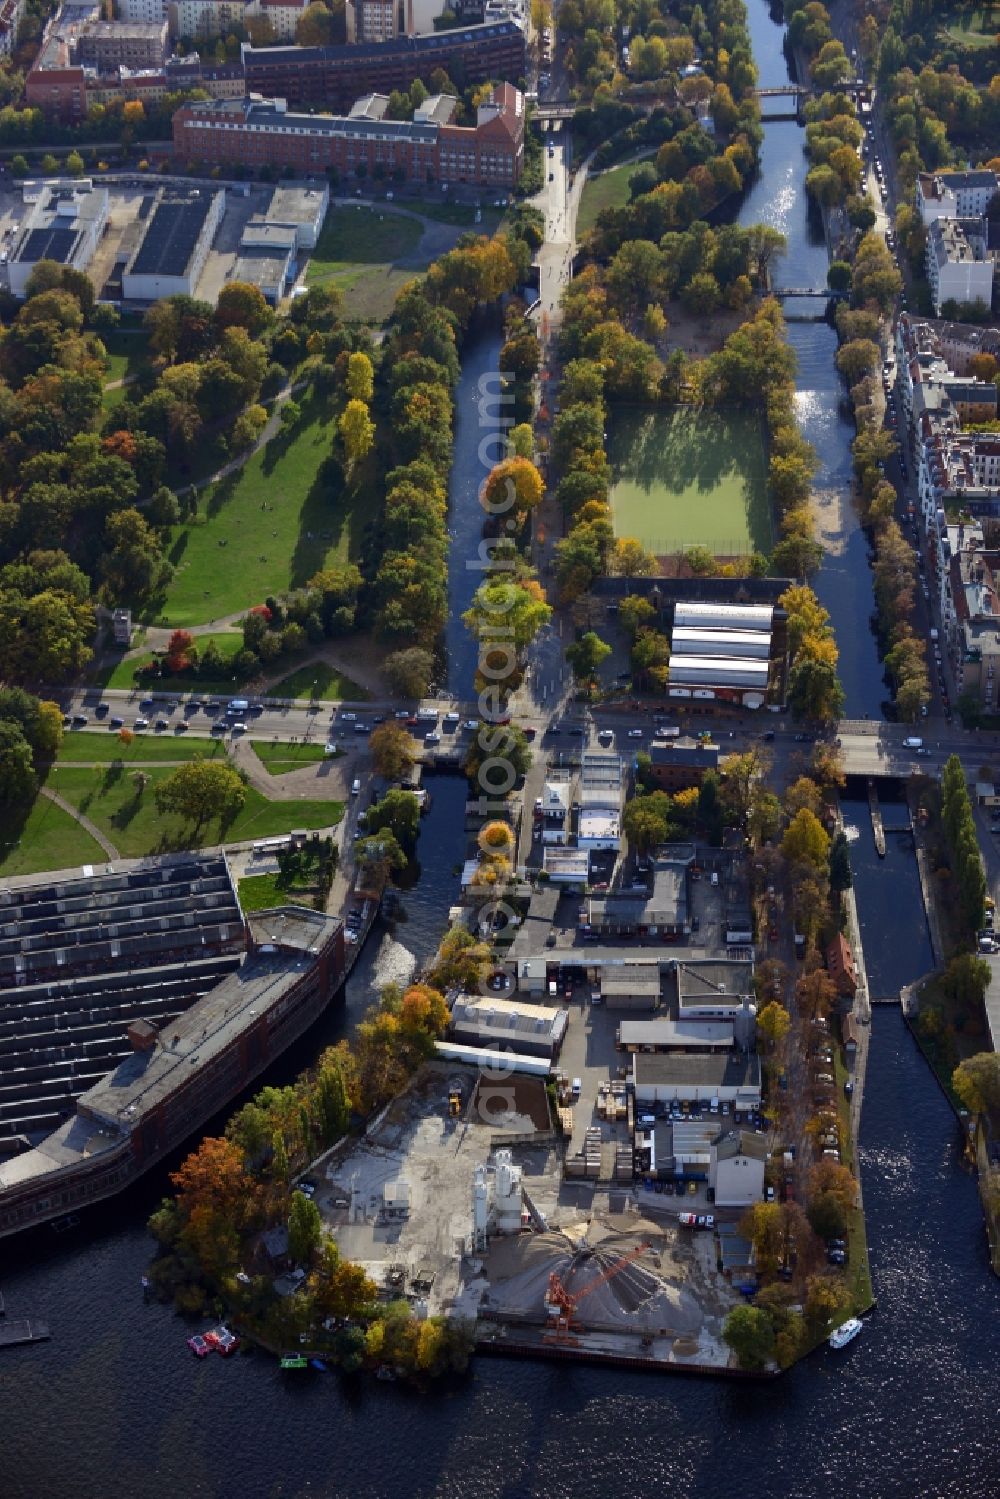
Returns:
(101, 711)
(471, 725)
(922, 753)
(402, 713)
(80, 720)
(181, 727)
(433, 737)
(161, 723)
(687, 1220)
(362, 728)
(705, 1220)
(452, 718)
(141, 723)
(635, 733)
(239, 727)
(217, 728)
(575, 732)
(348, 717)
(116, 723)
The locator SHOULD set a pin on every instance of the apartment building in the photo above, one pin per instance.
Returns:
(959, 265)
(955, 195)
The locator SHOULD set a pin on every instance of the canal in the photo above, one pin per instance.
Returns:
(115, 1403)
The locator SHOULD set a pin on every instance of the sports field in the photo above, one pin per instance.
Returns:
(690, 477)
(973, 28)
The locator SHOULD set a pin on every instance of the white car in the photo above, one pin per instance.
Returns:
(635, 733)
(453, 718)
(349, 717)
(432, 738)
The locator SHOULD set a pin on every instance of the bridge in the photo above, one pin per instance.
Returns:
(554, 109)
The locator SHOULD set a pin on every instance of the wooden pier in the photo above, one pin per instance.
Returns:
(876, 812)
(22, 1330)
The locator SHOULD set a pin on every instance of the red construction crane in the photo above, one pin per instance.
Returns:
(562, 1302)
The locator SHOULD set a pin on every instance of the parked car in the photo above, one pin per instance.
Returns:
(687, 1220)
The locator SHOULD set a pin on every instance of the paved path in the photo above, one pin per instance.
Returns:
(85, 822)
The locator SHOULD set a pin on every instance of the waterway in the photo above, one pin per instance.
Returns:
(115, 1403)
(778, 197)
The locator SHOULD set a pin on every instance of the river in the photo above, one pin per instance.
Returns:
(115, 1403)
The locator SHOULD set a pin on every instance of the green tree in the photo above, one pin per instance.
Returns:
(586, 656)
(305, 1228)
(749, 1332)
(409, 672)
(200, 791)
(644, 825)
(18, 782)
(840, 863)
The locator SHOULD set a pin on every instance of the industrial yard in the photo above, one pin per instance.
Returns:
(470, 1214)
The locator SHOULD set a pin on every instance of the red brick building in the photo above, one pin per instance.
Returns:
(256, 132)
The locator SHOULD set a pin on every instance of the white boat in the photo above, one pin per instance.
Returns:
(846, 1332)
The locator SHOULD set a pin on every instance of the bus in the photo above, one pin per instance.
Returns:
(271, 846)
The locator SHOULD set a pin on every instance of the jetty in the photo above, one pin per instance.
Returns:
(22, 1330)
(876, 812)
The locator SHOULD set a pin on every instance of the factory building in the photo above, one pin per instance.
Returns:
(675, 1035)
(667, 1077)
(531, 1030)
(713, 989)
(736, 1168)
(659, 912)
(602, 794)
(64, 225)
(723, 651)
(172, 249)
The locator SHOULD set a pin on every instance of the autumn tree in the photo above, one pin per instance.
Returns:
(392, 750)
(806, 841)
(357, 431)
(977, 1082)
(816, 994)
(360, 382)
(773, 1023)
(513, 487)
(409, 672)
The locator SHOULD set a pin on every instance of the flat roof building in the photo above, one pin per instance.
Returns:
(666, 1076)
(675, 1035)
(712, 988)
(64, 225)
(661, 911)
(171, 254)
(677, 763)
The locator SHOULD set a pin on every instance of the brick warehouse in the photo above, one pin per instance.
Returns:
(333, 77)
(261, 132)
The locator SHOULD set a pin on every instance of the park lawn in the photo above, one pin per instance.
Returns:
(92, 749)
(280, 758)
(133, 824)
(358, 252)
(605, 190)
(128, 353)
(323, 680)
(353, 237)
(268, 527)
(690, 477)
(973, 28)
(259, 892)
(461, 214)
(123, 673)
(48, 838)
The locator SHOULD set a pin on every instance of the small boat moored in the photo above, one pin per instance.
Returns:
(846, 1332)
(294, 1361)
(199, 1346)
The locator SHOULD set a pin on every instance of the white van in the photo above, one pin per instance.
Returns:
(238, 705)
(913, 742)
(356, 788)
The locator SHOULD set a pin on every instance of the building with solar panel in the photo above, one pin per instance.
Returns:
(64, 224)
(171, 253)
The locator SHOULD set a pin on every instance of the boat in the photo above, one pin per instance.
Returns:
(294, 1361)
(198, 1346)
(318, 1363)
(846, 1332)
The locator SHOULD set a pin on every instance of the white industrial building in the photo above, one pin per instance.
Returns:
(675, 1035)
(171, 253)
(497, 1199)
(63, 224)
(736, 1169)
(666, 1077)
(721, 650)
(566, 866)
(714, 989)
(554, 812)
(305, 207)
(532, 1030)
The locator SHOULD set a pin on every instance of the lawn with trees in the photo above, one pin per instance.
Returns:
(123, 804)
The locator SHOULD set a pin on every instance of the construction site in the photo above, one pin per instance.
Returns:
(456, 1199)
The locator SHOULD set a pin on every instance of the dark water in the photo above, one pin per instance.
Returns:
(779, 197)
(115, 1404)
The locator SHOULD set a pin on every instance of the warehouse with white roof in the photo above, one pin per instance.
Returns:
(722, 651)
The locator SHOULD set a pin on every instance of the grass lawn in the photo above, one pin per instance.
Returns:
(258, 892)
(134, 825)
(123, 673)
(462, 214)
(92, 749)
(326, 682)
(973, 28)
(358, 251)
(47, 839)
(688, 477)
(127, 352)
(279, 759)
(269, 527)
(605, 190)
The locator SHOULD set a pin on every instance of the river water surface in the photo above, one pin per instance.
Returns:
(115, 1404)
